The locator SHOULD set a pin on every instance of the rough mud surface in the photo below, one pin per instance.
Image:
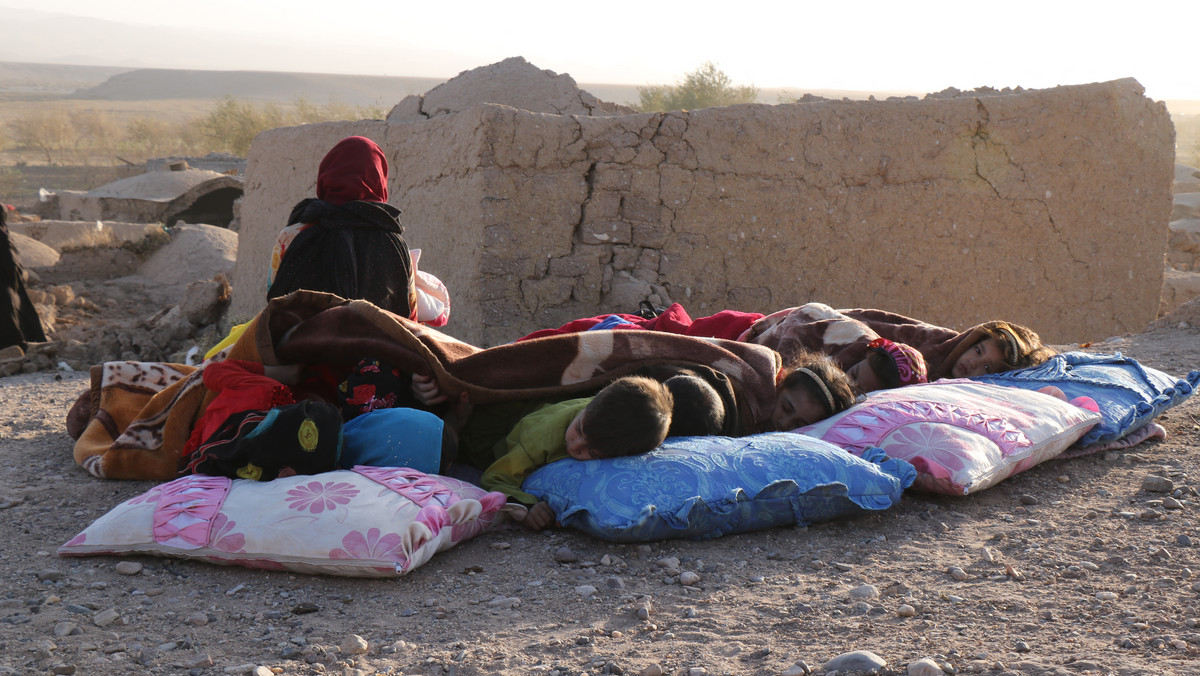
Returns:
(1070, 568)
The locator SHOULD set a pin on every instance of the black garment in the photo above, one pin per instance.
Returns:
(354, 250)
(19, 321)
(303, 438)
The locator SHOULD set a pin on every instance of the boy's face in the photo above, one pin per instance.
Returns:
(577, 443)
(863, 377)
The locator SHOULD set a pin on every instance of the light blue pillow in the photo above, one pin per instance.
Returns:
(1129, 394)
(706, 487)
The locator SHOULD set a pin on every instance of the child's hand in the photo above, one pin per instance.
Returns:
(540, 516)
(426, 390)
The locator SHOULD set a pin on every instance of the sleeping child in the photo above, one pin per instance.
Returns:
(629, 416)
(887, 365)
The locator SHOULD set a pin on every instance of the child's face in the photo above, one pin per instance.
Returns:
(982, 357)
(863, 377)
(795, 408)
(577, 443)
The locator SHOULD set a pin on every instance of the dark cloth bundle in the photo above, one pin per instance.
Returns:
(303, 438)
(353, 250)
(19, 322)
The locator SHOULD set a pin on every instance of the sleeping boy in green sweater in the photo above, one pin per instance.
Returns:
(629, 416)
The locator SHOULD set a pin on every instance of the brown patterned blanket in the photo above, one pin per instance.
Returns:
(844, 334)
(137, 416)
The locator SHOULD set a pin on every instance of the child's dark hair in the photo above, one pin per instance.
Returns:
(629, 416)
(698, 409)
(818, 375)
(1019, 345)
(884, 367)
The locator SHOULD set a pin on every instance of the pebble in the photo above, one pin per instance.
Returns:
(652, 670)
(199, 618)
(565, 555)
(1171, 503)
(645, 608)
(199, 662)
(1063, 479)
(504, 602)
(957, 573)
(800, 668)
(926, 666)
(240, 669)
(1183, 540)
(906, 610)
(858, 660)
(866, 591)
(64, 669)
(1021, 647)
(669, 564)
(67, 629)
(106, 617)
(989, 555)
(128, 568)
(1027, 499)
(1157, 484)
(262, 671)
(688, 578)
(585, 590)
(1089, 565)
(1107, 596)
(50, 575)
(844, 567)
(354, 645)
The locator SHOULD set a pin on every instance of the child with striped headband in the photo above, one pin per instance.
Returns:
(810, 388)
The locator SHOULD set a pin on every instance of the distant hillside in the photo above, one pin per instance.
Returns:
(42, 80)
(153, 83)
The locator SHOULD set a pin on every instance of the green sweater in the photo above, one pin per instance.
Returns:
(538, 439)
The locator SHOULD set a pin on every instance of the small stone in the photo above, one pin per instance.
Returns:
(67, 629)
(1171, 503)
(50, 575)
(128, 568)
(1183, 540)
(614, 583)
(305, 607)
(1063, 479)
(199, 662)
(262, 671)
(565, 555)
(857, 660)
(585, 590)
(866, 591)
(798, 669)
(199, 618)
(1150, 514)
(1027, 499)
(64, 669)
(106, 617)
(1021, 647)
(906, 610)
(240, 669)
(688, 578)
(926, 666)
(354, 645)
(1157, 484)
(957, 573)
(652, 670)
(844, 567)
(1107, 596)
(1013, 573)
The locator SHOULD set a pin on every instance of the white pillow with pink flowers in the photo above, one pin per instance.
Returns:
(369, 521)
(962, 436)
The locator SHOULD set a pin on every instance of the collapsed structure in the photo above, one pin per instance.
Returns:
(167, 197)
(1044, 207)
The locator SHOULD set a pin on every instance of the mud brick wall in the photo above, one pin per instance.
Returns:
(1044, 207)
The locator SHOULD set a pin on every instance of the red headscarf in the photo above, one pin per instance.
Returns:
(354, 169)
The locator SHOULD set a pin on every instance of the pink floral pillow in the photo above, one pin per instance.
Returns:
(369, 521)
(962, 436)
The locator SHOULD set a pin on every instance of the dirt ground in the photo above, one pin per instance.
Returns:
(1070, 568)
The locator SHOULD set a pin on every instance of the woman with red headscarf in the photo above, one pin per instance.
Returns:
(348, 240)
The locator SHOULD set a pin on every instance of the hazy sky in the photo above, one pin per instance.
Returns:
(798, 44)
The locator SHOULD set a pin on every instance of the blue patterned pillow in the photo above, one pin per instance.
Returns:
(1129, 394)
(706, 487)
